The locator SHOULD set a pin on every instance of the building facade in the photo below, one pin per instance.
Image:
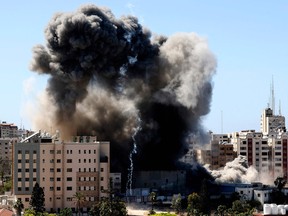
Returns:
(8, 130)
(61, 168)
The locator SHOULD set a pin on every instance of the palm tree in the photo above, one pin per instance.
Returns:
(79, 199)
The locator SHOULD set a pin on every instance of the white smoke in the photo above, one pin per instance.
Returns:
(236, 171)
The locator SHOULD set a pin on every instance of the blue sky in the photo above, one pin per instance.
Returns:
(248, 38)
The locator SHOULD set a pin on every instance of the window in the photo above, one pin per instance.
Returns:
(19, 179)
(34, 152)
(79, 160)
(58, 179)
(26, 188)
(51, 188)
(89, 151)
(51, 169)
(84, 151)
(19, 189)
(102, 179)
(51, 179)
(69, 188)
(43, 160)
(43, 152)
(69, 169)
(94, 151)
(102, 169)
(69, 178)
(58, 152)
(79, 151)
(26, 179)
(26, 199)
(58, 169)
(51, 151)
(19, 161)
(58, 160)
(69, 160)
(84, 160)
(58, 188)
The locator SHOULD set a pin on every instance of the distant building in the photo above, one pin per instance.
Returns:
(115, 182)
(8, 130)
(61, 168)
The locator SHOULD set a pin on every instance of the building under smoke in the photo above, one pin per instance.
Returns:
(109, 76)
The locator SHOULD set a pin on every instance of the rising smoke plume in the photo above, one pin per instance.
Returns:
(106, 73)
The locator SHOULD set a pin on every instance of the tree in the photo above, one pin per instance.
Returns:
(66, 212)
(221, 210)
(177, 203)
(194, 204)
(37, 201)
(279, 183)
(18, 206)
(79, 199)
(107, 207)
(153, 198)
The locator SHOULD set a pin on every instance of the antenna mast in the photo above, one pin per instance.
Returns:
(272, 96)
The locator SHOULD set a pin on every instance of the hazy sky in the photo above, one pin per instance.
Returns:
(248, 38)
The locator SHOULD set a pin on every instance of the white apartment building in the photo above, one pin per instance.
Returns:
(265, 150)
(61, 168)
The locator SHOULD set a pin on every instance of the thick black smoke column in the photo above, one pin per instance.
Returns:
(105, 73)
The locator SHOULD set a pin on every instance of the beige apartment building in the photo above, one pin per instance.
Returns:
(217, 153)
(61, 168)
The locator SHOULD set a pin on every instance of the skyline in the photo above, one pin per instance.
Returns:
(248, 43)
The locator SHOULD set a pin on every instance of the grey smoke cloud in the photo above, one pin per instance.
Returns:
(105, 73)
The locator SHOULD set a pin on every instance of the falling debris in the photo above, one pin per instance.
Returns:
(236, 171)
(105, 73)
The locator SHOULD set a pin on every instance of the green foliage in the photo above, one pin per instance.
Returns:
(79, 199)
(108, 207)
(66, 212)
(177, 203)
(193, 204)
(6, 186)
(18, 206)
(29, 212)
(37, 201)
(221, 209)
(164, 214)
(153, 198)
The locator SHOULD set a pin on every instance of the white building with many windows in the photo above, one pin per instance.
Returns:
(61, 168)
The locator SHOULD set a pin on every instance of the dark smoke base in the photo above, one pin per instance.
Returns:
(100, 66)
